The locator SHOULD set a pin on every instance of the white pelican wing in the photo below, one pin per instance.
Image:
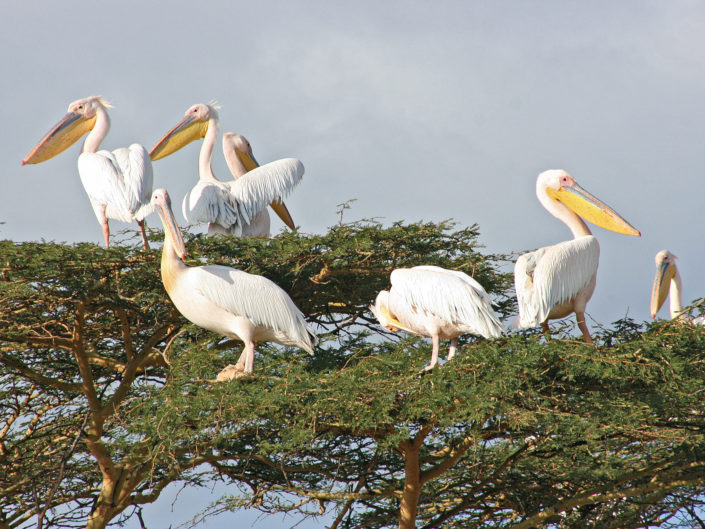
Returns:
(137, 172)
(255, 297)
(450, 295)
(256, 189)
(553, 275)
(121, 179)
(210, 202)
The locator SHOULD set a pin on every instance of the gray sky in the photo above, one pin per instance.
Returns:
(419, 110)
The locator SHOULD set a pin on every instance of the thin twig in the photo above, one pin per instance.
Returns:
(62, 468)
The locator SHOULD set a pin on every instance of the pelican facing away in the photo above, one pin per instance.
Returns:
(227, 207)
(667, 282)
(435, 302)
(118, 183)
(240, 160)
(555, 281)
(231, 302)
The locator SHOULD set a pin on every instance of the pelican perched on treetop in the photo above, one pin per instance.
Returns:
(667, 282)
(231, 302)
(240, 160)
(118, 183)
(227, 207)
(555, 281)
(435, 302)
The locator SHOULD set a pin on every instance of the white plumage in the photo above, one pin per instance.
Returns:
(118, 183)
(555, 281)
(439, 303)
(257, 183)
(211, 203)
(548, 279)
(257, 188)
(231, 302)
(121, 179)
(227, 207)
(214, 296)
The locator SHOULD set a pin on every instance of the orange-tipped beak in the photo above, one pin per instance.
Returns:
(64, 134)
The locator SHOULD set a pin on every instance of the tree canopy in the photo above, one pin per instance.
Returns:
(107, 395)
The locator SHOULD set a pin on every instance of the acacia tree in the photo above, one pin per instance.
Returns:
(107, 396)
(513, 433)
(86, 334)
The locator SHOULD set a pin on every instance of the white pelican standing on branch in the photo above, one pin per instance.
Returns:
(435, 302)
(227, 207)
(555, 281)
(667, 282)
(118, 183)
(240, 160)
(231, 302)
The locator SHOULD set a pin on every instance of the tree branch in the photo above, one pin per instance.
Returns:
(694, 474)
(37, 377)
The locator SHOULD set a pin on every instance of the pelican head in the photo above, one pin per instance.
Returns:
(79, 119)
(192, 127)
(561, 186)
(385, 317)
(666, 270)
(161, 202)
(381, 311)
(237, 143)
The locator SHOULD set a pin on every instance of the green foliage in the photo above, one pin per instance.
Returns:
(541, 424)
(89, 332)
(107, 396)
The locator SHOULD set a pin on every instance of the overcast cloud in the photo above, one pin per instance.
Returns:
(419, 110)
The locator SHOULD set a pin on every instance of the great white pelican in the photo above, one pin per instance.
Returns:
(227, 301)
(668, 284)
(227, 207)
(438, 303)
(118, 183)
(555, 281)
(238, 155)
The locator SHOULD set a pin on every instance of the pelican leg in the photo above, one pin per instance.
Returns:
(580, 317)
(250, 358)
(141, 224)
(103, 219)
(436, 340)
(453, 345)
(246, 362)
(243, 357)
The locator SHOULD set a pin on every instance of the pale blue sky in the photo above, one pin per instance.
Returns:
(419, 110)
